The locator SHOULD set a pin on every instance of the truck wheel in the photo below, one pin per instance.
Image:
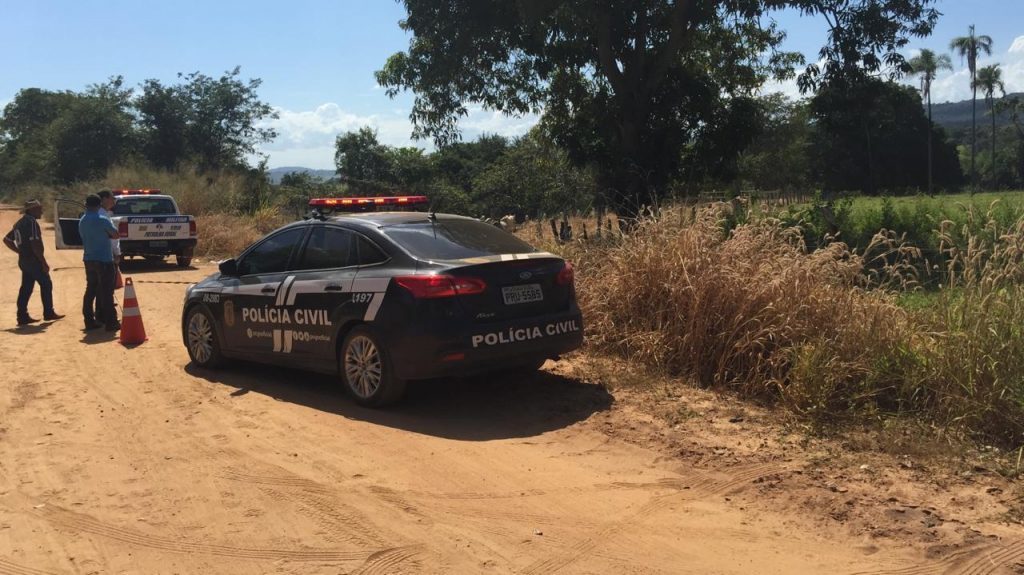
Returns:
(366, 370)
(184, 261)
(201, 339)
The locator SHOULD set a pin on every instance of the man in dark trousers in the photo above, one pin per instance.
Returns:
(26, 239)
(97, 231)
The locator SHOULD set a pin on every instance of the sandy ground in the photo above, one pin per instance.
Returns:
(117, 460)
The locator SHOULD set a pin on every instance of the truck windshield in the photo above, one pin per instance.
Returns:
(144, 207)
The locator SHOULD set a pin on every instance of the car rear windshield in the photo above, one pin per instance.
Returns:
(455, 240)
(144, 207)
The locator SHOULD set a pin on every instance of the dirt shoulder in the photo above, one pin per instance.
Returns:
(130, 460)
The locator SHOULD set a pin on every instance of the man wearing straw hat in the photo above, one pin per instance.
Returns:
(26, 239)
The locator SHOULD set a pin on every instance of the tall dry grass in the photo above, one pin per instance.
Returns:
(820, 332)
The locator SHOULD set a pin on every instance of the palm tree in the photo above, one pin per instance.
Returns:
(968, 47)
(990, 78)
(926, 65)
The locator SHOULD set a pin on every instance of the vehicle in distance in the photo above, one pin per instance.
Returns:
(381, 298)
(149, 224)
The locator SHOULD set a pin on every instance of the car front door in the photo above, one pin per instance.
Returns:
(253, 301)
(66, 214)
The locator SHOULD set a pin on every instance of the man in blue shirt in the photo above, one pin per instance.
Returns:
(97, 231)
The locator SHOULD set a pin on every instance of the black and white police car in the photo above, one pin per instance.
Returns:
(383, 297)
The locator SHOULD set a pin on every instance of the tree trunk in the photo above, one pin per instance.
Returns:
(931, 190)
(992, 112)
(974, 130)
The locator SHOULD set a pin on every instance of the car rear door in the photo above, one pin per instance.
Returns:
(66, 214)
(318, 296)
(253, 302)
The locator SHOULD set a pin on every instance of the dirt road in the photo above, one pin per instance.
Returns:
(116, 460)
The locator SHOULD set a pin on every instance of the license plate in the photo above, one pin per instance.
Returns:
(159, 244)
(522, 294)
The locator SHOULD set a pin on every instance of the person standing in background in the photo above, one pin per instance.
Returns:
(96, 232)
(26, 239)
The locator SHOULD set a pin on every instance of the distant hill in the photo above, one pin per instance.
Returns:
(956, 116)
(277, 173)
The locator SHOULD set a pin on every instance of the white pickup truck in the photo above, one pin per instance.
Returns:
(149, 224)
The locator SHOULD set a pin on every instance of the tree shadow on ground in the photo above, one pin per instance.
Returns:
(495, 406)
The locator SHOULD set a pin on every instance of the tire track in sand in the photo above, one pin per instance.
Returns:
(71, 520)
(705, 486)
(11, 568)
(385, 562)
(983, 560)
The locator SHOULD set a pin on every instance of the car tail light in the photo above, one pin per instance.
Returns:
(435, 286)
(192, 228)
(122, 229)
(567, 276)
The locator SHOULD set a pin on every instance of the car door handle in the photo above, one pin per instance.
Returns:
(333, 287)
(269, 290)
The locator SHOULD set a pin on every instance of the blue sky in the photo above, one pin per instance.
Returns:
(317, 58)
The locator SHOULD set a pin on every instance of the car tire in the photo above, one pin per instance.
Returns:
(184, 261)
(366, 370)
(201, 339)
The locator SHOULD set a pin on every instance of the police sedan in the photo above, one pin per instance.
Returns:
(381, 298)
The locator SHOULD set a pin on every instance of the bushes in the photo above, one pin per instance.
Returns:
(753, 310)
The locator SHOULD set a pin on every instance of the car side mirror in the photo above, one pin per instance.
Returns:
(229, 267)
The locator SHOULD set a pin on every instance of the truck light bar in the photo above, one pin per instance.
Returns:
(133, 192)
(383, 200)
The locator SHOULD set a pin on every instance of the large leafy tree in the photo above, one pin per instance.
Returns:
(926, 65)
(990, 80)
(969, 47)
(628, 86)
(215, 122)
(867, 138)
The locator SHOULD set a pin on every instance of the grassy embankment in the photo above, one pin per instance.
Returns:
(737, 301)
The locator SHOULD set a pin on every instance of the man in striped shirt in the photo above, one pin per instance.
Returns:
(26, 239)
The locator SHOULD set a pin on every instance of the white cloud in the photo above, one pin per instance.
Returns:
(1018, 45)
(306, 138)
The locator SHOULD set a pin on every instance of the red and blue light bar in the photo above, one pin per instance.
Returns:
(143, 192)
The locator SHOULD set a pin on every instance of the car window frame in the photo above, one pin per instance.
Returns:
(300, 244)
(297, 257)
(387, 256)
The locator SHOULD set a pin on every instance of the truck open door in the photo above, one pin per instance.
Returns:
(65, 226)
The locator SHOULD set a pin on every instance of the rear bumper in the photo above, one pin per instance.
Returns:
(157, 247)
(485, 348)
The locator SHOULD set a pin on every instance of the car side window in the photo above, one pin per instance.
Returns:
(369, 254)
(272, 255)
(328, 247)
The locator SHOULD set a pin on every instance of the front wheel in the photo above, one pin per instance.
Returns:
(201, 339)
(366, 370)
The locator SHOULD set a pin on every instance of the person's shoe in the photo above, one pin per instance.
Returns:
(53, 316)
(26, 320)
(114, 327)
(93, 325)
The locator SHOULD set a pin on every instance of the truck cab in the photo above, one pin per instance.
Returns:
(149, 223)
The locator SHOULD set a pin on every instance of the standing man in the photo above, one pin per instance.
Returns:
(107, 201)
(26, 239)
(96, 232)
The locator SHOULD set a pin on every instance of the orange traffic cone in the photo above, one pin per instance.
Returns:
(132, 330)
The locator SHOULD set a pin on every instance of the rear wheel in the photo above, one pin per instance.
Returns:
(184, 261)
(366, 369)
(201, 339)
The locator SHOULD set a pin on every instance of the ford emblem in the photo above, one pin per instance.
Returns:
(525, 275)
